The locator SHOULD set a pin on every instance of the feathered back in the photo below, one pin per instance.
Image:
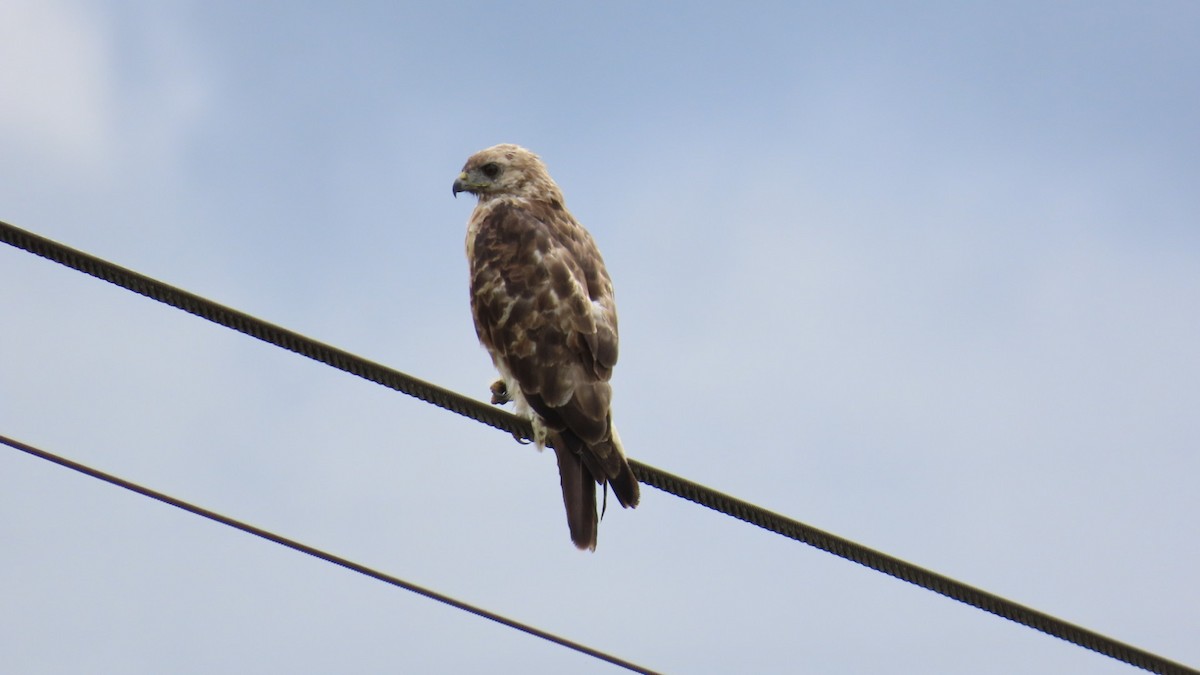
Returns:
(544, 309)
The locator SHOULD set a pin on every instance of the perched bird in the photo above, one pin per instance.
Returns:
(544, 309)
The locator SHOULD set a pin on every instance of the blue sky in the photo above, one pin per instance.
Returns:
(927, 277)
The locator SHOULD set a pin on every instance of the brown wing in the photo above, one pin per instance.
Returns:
(543, 303)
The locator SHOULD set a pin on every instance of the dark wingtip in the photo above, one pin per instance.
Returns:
(625, 486)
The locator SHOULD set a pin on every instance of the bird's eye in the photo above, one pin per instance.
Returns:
(491, 170)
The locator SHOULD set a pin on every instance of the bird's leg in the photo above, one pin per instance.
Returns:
(540, 433)
(500, 394)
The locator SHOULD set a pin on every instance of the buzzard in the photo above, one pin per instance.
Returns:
(544, 309)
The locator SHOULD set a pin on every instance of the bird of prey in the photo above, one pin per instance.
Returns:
(544, 310)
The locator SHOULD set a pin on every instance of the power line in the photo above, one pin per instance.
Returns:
(318, 553)
(914, 574)
(520, 428)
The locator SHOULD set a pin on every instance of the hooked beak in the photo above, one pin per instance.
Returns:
(460, 184)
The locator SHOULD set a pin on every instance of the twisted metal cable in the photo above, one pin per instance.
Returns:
(520, 428)
(902, 569)
(263, 330)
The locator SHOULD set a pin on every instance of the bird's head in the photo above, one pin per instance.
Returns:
(506, 170)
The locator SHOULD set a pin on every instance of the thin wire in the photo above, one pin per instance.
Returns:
(318, 553)
(520, 428)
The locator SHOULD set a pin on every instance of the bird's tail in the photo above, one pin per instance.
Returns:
(579, 496)
(580, 469)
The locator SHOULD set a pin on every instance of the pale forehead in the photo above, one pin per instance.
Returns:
(505, 153)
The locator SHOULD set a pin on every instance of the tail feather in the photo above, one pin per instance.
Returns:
(580, 469)
(579, 497)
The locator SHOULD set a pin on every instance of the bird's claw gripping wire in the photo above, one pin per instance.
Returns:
(500, 396)
(500, 393)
